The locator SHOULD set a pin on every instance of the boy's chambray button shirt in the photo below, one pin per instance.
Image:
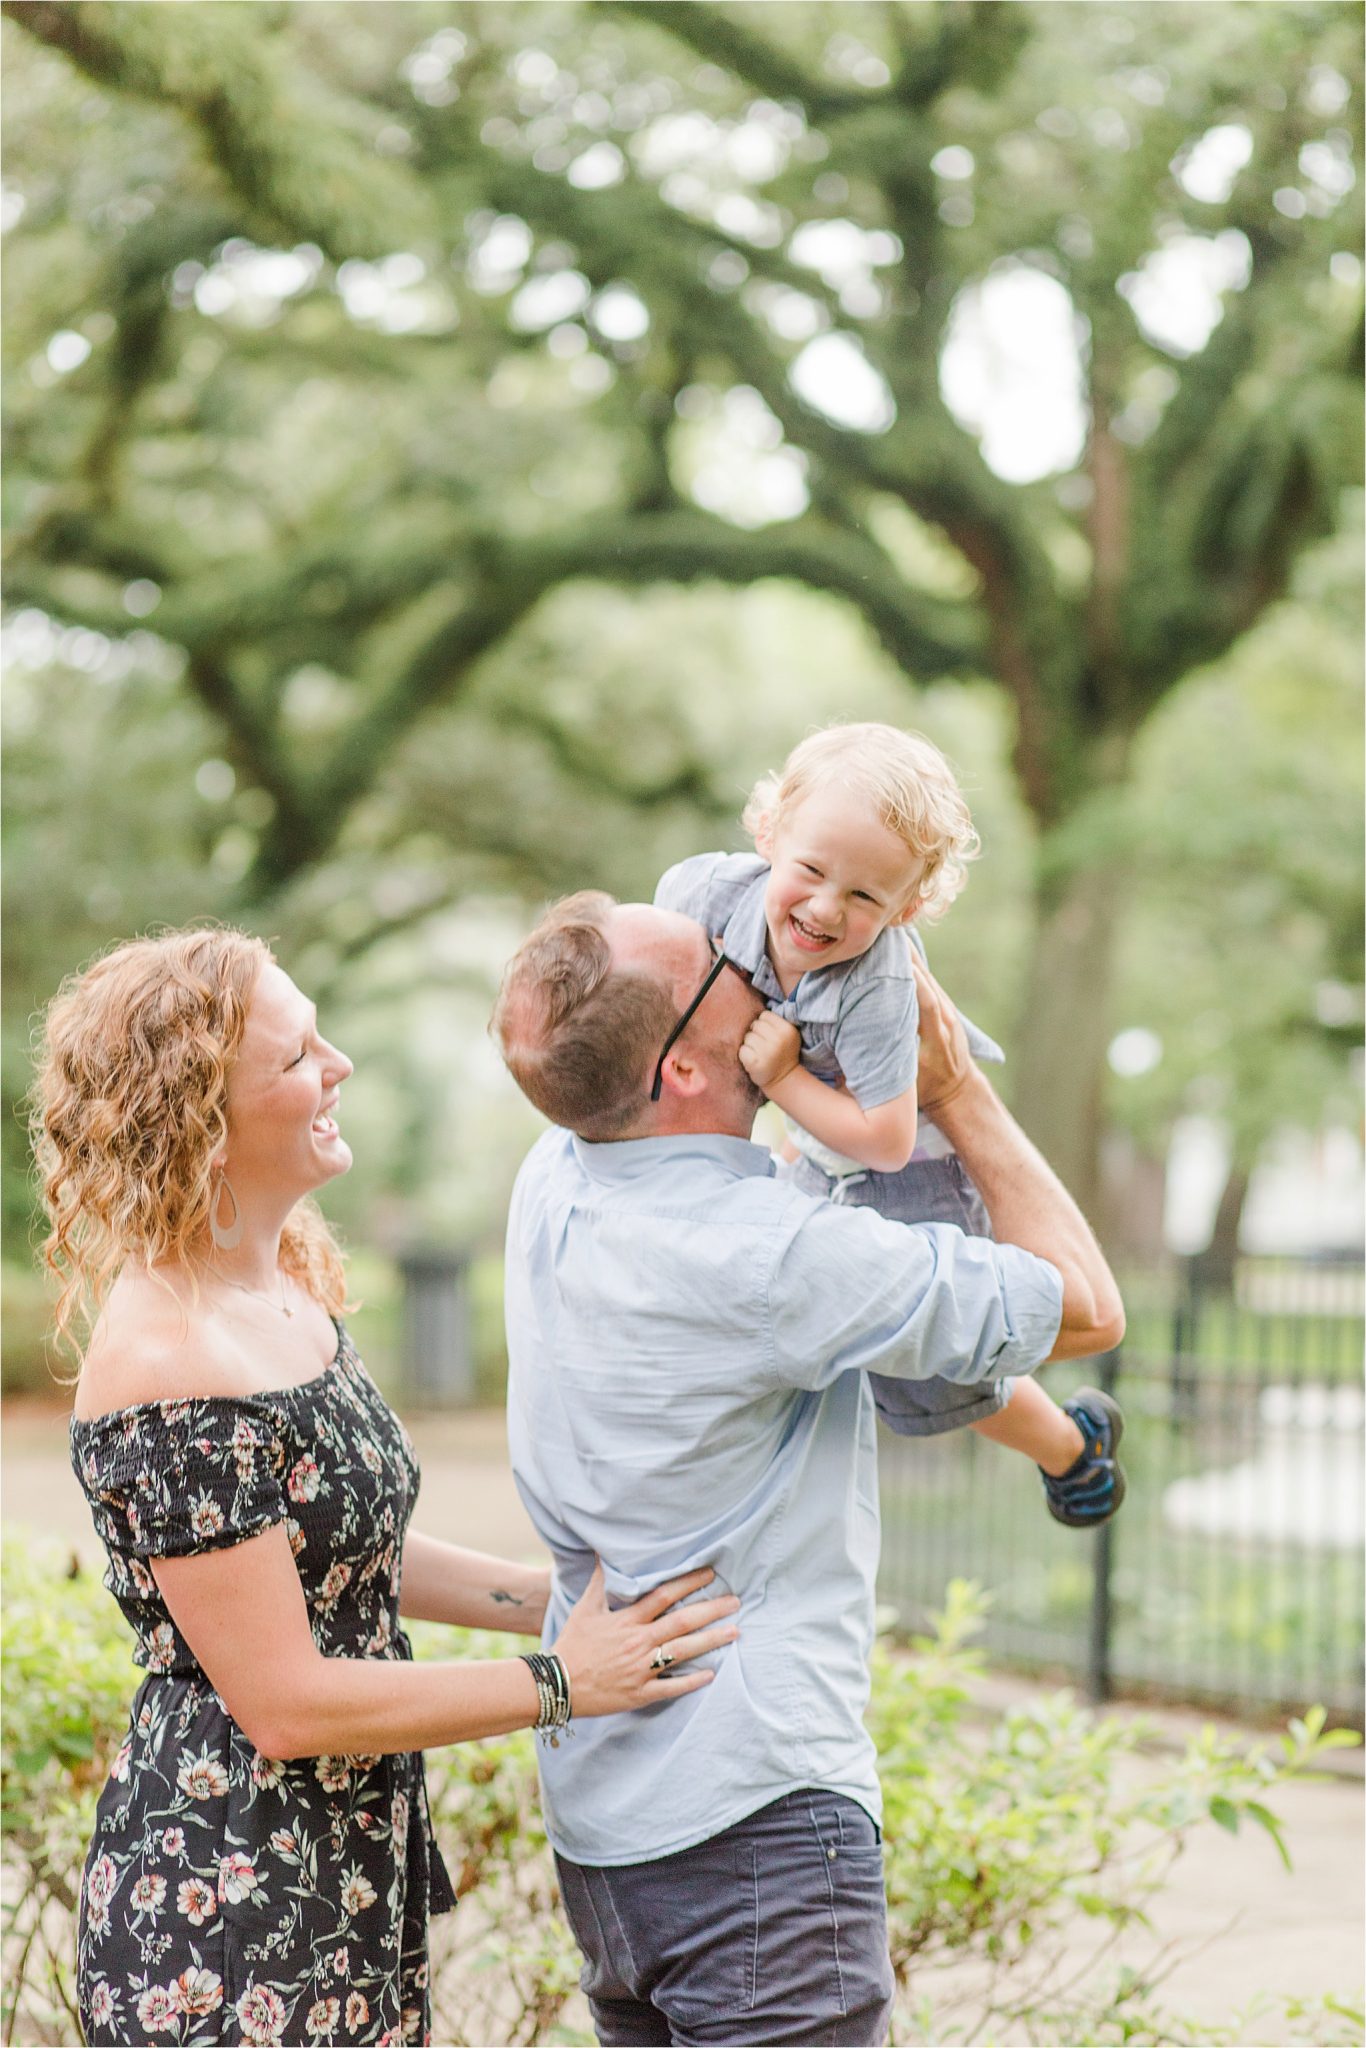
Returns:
(688, 1341)
(857, 1018)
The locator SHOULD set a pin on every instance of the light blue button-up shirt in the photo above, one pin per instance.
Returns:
(688, 1339)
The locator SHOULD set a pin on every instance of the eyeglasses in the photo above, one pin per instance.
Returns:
(719, 960)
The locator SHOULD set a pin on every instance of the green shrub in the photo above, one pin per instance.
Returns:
(67, 1680)
(1001, 1842)
(27, 1359)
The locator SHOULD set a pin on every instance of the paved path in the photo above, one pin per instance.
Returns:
(467, 1491)
(1268, 1930)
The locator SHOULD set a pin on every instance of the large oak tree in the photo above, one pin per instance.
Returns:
(534, 254)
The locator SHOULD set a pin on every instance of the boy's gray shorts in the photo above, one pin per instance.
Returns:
(926, 1191)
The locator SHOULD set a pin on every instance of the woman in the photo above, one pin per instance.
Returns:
(263, 1864)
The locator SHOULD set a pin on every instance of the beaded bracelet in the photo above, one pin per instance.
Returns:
(552, 1694)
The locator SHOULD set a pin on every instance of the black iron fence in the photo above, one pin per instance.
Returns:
(1233, 1575)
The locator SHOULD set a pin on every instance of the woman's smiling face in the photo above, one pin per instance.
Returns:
(838, 878)
(282, 1095)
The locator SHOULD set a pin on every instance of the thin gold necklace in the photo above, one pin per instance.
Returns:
(282, 1305)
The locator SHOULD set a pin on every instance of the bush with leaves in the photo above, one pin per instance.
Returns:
(1005, 1845)
(68, 1679)
(1019, 1854)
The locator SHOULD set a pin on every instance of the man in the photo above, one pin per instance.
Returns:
(689, 1339)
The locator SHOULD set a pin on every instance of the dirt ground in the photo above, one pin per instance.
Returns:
(1257, 1928)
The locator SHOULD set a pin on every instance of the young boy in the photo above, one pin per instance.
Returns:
(864, 831)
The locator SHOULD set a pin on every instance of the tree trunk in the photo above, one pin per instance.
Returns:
(1058, 1055)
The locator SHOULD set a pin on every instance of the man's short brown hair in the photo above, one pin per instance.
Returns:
(578, 1036)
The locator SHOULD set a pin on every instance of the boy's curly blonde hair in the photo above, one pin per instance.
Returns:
(907, 783)
(129, 1107)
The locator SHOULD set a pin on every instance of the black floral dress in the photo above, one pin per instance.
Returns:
(228, 1896)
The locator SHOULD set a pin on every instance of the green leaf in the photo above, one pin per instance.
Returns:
(1266, 1819)
(1225, 1812)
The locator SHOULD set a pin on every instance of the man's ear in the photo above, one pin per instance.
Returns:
(683, 1076)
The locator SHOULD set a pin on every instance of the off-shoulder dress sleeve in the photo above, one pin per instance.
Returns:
(173, 1478)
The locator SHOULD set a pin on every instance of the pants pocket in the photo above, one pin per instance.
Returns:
(710, 1904)
(858, 1905)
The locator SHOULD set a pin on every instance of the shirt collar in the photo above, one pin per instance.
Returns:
(625, 1159)
(745, 937)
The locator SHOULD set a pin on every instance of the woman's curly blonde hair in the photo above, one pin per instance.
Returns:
(906, 782)
(129, 1107)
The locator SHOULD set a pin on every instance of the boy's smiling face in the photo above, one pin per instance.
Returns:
(839, 878)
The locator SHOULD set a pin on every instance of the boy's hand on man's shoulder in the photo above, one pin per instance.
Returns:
(771, 1048)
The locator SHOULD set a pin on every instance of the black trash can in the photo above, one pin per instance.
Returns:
(438, 1346)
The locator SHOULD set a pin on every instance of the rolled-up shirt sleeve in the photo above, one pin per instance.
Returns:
(851, 1291)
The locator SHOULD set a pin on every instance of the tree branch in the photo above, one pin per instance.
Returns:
(295, 152)
(593, 769)
(253, 740)
(717, 36)
(974, 42)
(923, 635)
(927, 636)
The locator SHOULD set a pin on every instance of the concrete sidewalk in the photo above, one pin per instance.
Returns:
(1259, 1928)
(467, 1491)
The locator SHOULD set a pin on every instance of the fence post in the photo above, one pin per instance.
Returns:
(1185, 1337)
(1098, 1682)
(438, 1350)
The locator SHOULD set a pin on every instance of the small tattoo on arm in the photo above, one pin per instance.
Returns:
(507, 1599)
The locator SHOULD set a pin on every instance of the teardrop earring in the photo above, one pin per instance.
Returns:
(226, 1236)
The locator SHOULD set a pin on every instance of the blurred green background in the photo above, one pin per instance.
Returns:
(454, 448)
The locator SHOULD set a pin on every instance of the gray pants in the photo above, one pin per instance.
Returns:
(774, 1931)
(926, 1191)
